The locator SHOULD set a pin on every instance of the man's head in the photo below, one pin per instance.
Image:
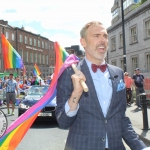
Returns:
(137, 70)
(94, 39)
(10, 75)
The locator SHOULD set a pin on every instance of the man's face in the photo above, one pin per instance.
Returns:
(10, 76)
(137, 71)
(95, 43)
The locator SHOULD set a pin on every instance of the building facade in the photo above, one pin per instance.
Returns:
(137, 36)
(33, 48)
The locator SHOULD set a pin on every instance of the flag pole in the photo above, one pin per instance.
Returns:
(84, 86)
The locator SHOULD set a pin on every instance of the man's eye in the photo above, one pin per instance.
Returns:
(96, 35)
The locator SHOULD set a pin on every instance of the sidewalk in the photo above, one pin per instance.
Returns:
(136, 117)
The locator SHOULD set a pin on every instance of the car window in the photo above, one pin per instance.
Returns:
(38, 90)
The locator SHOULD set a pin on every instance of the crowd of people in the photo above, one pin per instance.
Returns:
(15, 85)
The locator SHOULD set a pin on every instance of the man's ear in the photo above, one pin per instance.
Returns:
(83, 42)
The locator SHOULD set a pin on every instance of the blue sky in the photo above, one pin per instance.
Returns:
(58, 20)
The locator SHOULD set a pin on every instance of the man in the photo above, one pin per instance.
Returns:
(139, 85)
(96, 119)
(11, 86)
(34, 82)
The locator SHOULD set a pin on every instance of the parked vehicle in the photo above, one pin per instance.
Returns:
(34, 94)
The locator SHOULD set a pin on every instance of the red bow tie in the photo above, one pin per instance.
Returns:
(101, 67)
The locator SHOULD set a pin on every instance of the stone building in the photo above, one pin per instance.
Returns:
(137, 36)
(33, 48)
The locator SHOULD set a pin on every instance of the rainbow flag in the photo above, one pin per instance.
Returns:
(36, 70)
(17, 130)
(11, 57)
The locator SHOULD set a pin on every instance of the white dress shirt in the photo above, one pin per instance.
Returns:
(103, 88)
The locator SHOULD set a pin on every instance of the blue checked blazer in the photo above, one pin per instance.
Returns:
(88, 128)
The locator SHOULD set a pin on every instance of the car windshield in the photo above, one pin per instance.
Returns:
(38, 90)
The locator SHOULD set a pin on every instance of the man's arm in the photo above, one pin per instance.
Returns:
(68, 89)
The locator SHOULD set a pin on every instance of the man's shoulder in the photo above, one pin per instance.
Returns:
(114, 67)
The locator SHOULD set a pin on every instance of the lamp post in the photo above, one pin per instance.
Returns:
(123, 36)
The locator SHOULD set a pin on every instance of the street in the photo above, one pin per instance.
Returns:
(43, 135)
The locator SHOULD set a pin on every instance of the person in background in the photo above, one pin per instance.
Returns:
(48, 80)
(139, 85)
(24, 85)
(96, 119)
(29, 82)
(11, 86)
(129, 83)
(35, 81)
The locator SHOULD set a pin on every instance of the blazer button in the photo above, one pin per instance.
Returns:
(103, 139)
(105, 121)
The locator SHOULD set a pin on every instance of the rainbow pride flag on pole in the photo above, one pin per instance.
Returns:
(11, 57)
(36, 70)
(17, 130)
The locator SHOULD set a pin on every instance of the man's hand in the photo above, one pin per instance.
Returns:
(76, 78)
(77, 90)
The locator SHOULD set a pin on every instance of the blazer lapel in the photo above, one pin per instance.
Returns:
(114, 88)
(92, 92)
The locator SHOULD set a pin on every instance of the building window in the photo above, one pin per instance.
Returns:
(34, 42)
(115, 13)
(127, 3)
(45, 45)
(38, 43)
(35, 57)
(121, 40)
(113, 62)
(137, 1)
(148, 62)
(30, 41)
(20, 38)
(147, 27)
(26, 56)
(21, 53)
(7, 35)
(122, 64)
(31, 57)
(43, 59)
(46, 59)
(42, 44)
(25, 40)
(133, 35)
(39, 59)
(13, 37)
(134, 62)
(113, 44)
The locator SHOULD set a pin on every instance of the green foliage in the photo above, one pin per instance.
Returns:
(143, 1)
(138, 4)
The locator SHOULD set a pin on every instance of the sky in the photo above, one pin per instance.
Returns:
(57, 20)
